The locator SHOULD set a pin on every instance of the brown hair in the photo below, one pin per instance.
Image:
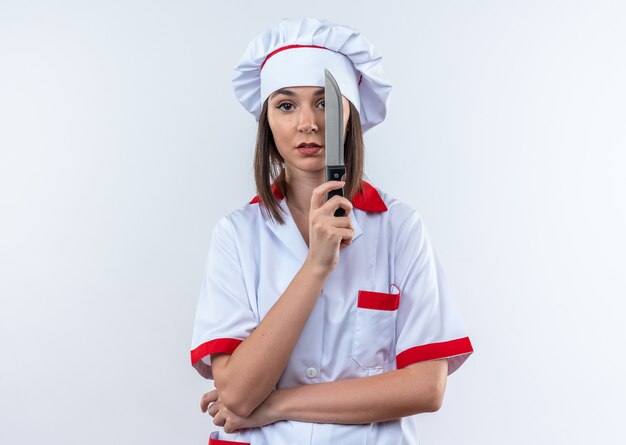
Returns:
(268, 162)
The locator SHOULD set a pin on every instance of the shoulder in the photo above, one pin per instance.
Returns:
(238, 222)
(398, 213)
(406, 235)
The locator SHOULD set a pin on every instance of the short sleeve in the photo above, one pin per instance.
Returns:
(224, 317)
(429, 324)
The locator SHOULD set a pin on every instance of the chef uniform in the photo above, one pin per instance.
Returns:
(386, 304)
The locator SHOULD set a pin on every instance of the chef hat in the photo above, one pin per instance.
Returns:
(295, 53)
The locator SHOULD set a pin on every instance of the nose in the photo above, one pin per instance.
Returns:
(307, 122)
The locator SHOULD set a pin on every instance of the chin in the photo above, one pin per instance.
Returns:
(314, 166)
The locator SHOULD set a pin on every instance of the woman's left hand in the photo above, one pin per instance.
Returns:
(230, 421)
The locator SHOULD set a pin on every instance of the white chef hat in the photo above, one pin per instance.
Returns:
(295, 53)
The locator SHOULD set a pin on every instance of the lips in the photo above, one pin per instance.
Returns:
(309, 145)
(309, 151)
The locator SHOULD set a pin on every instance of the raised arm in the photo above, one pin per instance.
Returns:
(246, 377)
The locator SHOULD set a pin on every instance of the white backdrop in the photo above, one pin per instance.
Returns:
(121, 145)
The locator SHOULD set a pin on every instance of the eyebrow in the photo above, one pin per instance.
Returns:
(286, 92)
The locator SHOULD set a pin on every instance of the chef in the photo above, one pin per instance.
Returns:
(317, 328)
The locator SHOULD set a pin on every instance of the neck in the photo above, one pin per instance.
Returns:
(299, 188)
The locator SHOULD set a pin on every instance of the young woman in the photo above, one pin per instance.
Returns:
(319, 329)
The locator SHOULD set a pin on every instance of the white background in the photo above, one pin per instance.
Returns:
(121, 145)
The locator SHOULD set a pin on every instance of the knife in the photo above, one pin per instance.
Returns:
(335, 168)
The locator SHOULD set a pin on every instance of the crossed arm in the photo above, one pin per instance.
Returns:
(415, 389)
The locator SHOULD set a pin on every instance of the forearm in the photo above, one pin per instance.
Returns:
(242, 384)
(377, 398)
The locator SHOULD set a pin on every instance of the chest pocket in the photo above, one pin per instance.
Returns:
(375, 328)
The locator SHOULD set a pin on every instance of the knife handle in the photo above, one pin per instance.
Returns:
(335, 173)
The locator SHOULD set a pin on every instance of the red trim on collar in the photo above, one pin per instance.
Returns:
(278, 194)
(369, 200)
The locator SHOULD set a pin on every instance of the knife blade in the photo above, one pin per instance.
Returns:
(335, 167)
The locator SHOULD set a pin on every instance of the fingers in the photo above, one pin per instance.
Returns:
(339, 228)
(230, 428)
(346, 237)
(317, 198)
(340, 222)
(219, 419)
(345, 233)
(208, 398)
(214, 409)
(334, 203)
(226, 420)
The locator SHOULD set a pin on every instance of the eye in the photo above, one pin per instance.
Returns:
(322, 103)
(285, 104)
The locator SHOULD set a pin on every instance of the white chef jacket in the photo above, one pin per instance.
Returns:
(385, 306)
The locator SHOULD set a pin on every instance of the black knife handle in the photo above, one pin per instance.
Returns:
(335, 173)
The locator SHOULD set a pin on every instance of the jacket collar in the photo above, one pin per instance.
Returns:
(289, 234)
(368, 200)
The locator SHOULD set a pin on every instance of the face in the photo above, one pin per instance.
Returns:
(296, 117)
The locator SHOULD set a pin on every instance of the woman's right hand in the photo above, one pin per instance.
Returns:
(328, 233)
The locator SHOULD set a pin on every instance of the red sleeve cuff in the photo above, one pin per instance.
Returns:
(226, 345)
(434, 351)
